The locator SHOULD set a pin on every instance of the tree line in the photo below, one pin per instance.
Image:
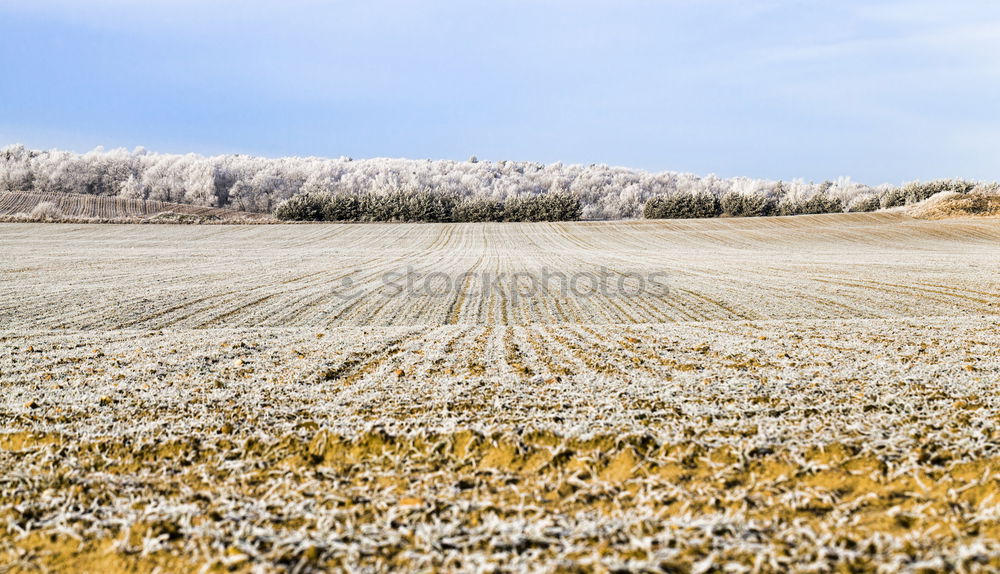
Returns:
(384, 189)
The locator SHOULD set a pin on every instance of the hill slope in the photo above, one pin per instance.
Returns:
(70, 207)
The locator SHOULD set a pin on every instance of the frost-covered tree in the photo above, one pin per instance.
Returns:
(132, 189)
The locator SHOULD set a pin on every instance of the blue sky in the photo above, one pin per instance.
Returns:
(876, 90)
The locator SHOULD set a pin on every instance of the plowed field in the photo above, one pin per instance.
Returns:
(814, 393)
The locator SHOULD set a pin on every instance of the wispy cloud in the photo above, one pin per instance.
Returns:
(776, 88)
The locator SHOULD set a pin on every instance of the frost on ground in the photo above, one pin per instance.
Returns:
(808, 394)
(27, 207)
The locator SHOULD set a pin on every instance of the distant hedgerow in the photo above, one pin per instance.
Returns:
(551, 207)
(399, 206)
(735, 204)
(472, 210)
(427, 206)
(303, 207)
(682, 206)
(866, 204)
(342, 207)
(819, 203)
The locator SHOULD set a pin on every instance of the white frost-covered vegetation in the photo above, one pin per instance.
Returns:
(259, 184)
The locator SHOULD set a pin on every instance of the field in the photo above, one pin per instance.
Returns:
(18, 205)
(799, 394)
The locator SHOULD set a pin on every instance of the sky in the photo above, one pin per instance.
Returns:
(881, 91)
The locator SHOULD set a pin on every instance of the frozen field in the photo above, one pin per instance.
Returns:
(778, 394)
